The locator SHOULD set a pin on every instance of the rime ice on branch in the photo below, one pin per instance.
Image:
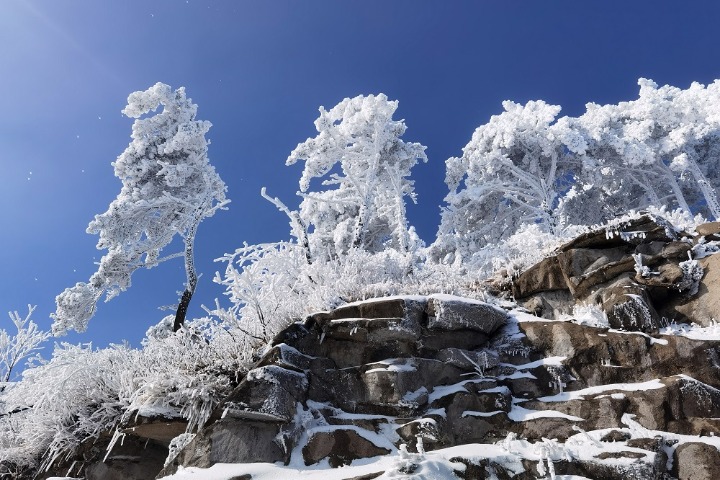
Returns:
(168, 188)
(526, 166)
(366, 168)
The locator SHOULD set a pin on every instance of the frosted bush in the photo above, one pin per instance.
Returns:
(82, 392)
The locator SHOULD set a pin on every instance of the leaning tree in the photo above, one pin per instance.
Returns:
(168, 188)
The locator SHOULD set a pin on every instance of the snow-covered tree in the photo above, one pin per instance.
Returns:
(525, 166)
(18, 346)
(168, 188)
(366, 167)
(617, 167)
(510, 174)
(686, 126)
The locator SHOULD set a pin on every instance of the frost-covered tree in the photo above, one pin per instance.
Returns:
(18, 346)
(365, 167)
(645, 152)
(659, 150)
(686, 129)
(168, 188)
(511, 173)
(617, 167)
(524, 166)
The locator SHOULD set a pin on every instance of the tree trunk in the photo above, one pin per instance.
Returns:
(182, 310)
(191, 278)
(706, 188)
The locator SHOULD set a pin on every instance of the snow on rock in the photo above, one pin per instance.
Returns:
(440, 387)
(591, 391)
(446, 312)
(520, 414)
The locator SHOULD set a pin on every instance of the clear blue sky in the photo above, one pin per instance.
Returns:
(258, 71)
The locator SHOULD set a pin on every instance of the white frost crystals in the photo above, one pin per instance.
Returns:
(168, 188)
(529, 166)
(366, 168)
(692, 274)
(14, 348)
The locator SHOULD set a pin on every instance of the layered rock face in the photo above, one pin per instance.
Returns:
(496, 391)
(642, 274)
(358, 381)
(427, 374)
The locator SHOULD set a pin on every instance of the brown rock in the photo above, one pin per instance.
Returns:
(411, 309)
(640, 230)
(628, 307)
(340, 446)
(710, 228)
(287, 357)
(541, 277)
(584, 268)
(406, 381)
(623, 454)
(132, 459)
(691, 398)
(676, 250)
(267, 393)
(230, 441)
(425, 428)
(598, 357)
(704, 307)
(696, 461)
(447, 313)
(667, 275)
(159, 429)
(434, 341)
(615, 436)
(480, 361)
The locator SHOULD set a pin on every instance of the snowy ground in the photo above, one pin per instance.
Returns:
(435, 465)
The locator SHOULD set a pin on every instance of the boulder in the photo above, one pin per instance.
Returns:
(158, 428)
(426, 430)
(544, 276)
(406, 381)
(704, 307)
(285, 356)
(644, 229)
(628, 307)
(230, 440)
(130, 459)
(709, 228)
(410, 308)
(267, 393)
(691, 398)
(343, 388)
(667, 275)
(479, 361)
(583, 268)
(446, 312)
(375, 330)
(433, 341)
(696, 461)
(340, 446)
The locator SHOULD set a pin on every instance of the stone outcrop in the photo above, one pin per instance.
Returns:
(510, 379)
(542, 394)
(641, 273)
(330, 386)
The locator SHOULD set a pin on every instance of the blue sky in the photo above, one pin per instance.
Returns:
(259, 70)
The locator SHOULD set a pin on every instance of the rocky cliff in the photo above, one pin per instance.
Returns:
(583, 366)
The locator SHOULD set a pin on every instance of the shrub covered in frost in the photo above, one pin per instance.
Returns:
(82, 392)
